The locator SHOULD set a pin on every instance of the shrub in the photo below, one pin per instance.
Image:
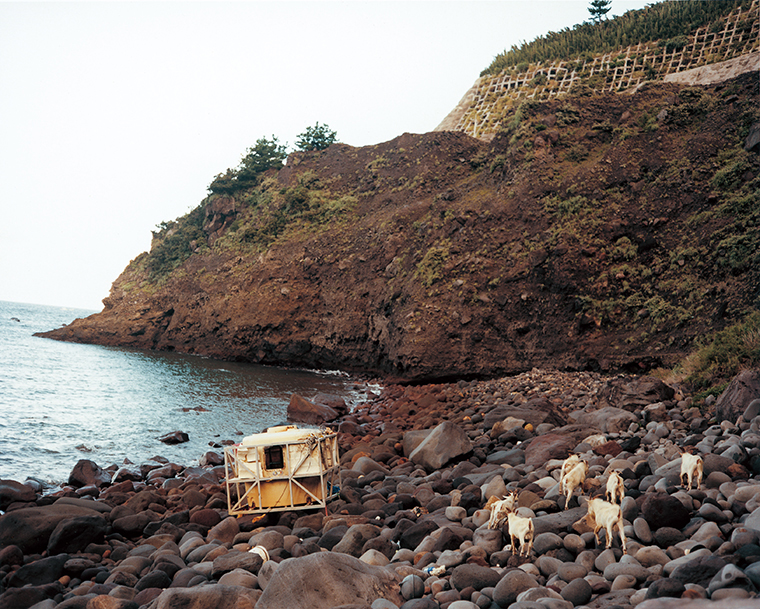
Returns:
(174, 243)
(265, 154)
(317, 137)
(722, 356)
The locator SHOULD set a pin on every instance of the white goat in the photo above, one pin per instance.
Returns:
(692, 467)
(521, 528)
(573, 479)
(500, 509)
(607, 515)
(567, 465)
(615, 488)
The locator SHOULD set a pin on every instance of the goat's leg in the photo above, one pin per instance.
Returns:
(622, 535)
(596, 535)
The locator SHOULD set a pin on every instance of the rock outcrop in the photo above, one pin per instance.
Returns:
(439, 256)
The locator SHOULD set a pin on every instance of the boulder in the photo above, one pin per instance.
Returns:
(559, 522)
(578, 592)
(752, 410)
(535, 412)
(663, 510)
(608, 419)
(446, 442)
(474, 576)
(86, 473)
(15, 492)
(328, 579)
(411, 537)
(336, 402)
(301, 410)
(224, 531)
(354, 539)
(75, 534)
(38, 572)
(547, 447)
(412, 439)
(22, 598)
(741, 391)
(633, 392)
(30, 528)
(174, 437)
(511, 585)
(204, 597)
(247, 561)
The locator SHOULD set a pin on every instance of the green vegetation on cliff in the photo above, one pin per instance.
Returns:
(670, 22)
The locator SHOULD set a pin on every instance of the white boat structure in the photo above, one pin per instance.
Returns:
(282, 468)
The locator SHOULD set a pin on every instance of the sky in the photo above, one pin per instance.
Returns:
(116, 116)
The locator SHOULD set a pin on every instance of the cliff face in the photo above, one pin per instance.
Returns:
(594, 232)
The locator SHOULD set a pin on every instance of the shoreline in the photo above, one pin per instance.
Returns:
(411, 527)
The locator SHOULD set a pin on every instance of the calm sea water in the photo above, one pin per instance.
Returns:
(61, 402)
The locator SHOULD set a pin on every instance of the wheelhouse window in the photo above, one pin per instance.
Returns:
(273, 458)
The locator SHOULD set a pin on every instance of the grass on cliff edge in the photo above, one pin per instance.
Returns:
(719, 358)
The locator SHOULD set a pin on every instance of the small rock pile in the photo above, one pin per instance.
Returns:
(409, 527)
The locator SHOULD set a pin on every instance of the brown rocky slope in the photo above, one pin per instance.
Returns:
(594, 233)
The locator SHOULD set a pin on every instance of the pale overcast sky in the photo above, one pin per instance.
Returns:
(115, 116)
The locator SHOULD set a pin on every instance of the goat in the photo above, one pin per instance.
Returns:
(572, 479)
(521, 528)
(567, 465)
(500, 509)
(692, 467)
(607, 515)
(615, 488)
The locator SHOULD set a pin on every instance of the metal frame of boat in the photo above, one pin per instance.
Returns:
(283, 468)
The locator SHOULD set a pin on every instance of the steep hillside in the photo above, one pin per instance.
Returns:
(593, 232)
(671, 41)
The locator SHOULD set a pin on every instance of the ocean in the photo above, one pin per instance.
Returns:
(62, 402)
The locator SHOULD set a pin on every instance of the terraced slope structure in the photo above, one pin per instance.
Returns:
(594, 231)
(711, 53)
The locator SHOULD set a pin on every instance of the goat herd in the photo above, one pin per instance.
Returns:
(602, 513)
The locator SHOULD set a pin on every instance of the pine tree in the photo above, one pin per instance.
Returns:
(598, 9)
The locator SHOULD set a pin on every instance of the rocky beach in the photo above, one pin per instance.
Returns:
(420, 466)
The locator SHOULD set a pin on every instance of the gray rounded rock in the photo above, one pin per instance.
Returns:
(715, 479)
(649, 556)
(611, 571)
(578, 592)
(605, 559)
(455, 513)
(546, 542)
(729, 576)
(475, 576)
(488, 539)
(548, 565)
(412, 586)
(629, 508)
(708, 511)
(587, 558)
(506, 591)
(574, 543)
(642, 531)
(239, 577)
(752, 410)
(667, 587)
(568, 571)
